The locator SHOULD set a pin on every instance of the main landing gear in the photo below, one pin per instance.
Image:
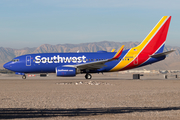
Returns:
(88, 76)
(24, 77)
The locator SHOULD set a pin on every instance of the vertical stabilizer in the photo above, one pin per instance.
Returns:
(152, 44)
(155, 40)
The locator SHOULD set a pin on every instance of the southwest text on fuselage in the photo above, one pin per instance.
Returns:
(58, 59)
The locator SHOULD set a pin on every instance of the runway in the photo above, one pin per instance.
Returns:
(103, 97)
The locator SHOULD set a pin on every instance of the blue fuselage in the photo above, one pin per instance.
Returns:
(47, 62)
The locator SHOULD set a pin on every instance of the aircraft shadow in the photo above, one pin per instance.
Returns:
(11, 113)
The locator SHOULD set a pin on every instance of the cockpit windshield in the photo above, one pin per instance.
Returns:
(15, 60)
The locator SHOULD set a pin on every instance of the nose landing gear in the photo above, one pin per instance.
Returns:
(24, 77)
(88, 76)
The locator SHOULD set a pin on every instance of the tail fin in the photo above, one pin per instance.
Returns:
(155, 40)
(151, 45)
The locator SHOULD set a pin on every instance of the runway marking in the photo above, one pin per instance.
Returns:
(84, 83)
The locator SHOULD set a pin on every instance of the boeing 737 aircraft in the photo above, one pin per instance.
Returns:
(70, 64)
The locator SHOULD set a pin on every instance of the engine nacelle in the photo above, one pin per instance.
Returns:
(66, 71)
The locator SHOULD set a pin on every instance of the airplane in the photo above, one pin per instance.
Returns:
(149, 51)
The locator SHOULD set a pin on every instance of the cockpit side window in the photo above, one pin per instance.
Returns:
(15, 60)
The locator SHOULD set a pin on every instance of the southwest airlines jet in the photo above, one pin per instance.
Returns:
(70, 64)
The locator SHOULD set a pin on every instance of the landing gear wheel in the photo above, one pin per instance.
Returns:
(88, 76)
(24, 77)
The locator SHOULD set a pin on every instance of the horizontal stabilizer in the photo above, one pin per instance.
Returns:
(162, 54)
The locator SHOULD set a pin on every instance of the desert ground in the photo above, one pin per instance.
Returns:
(105, 96)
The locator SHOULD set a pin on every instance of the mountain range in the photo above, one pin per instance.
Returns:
(171, 62)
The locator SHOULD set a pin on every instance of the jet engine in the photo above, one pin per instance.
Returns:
(66, 71)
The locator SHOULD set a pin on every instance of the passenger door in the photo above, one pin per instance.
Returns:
(28, 60)
(136, 61)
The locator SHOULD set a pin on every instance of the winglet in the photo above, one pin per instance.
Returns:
(112, 50)
(118, 54)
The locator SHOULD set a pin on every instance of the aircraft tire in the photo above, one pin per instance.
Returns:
(88, 76)
(24, 77)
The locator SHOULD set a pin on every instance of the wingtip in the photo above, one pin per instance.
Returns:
(112, 50)
(118, 54)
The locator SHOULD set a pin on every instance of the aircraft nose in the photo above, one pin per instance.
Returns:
(6, 65)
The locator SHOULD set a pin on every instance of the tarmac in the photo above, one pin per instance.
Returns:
(105, 96)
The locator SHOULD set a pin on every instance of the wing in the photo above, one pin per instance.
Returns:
(97, 64)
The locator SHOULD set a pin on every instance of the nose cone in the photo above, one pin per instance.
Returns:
(5, 65)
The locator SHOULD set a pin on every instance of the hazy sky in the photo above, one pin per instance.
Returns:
(31, 23)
